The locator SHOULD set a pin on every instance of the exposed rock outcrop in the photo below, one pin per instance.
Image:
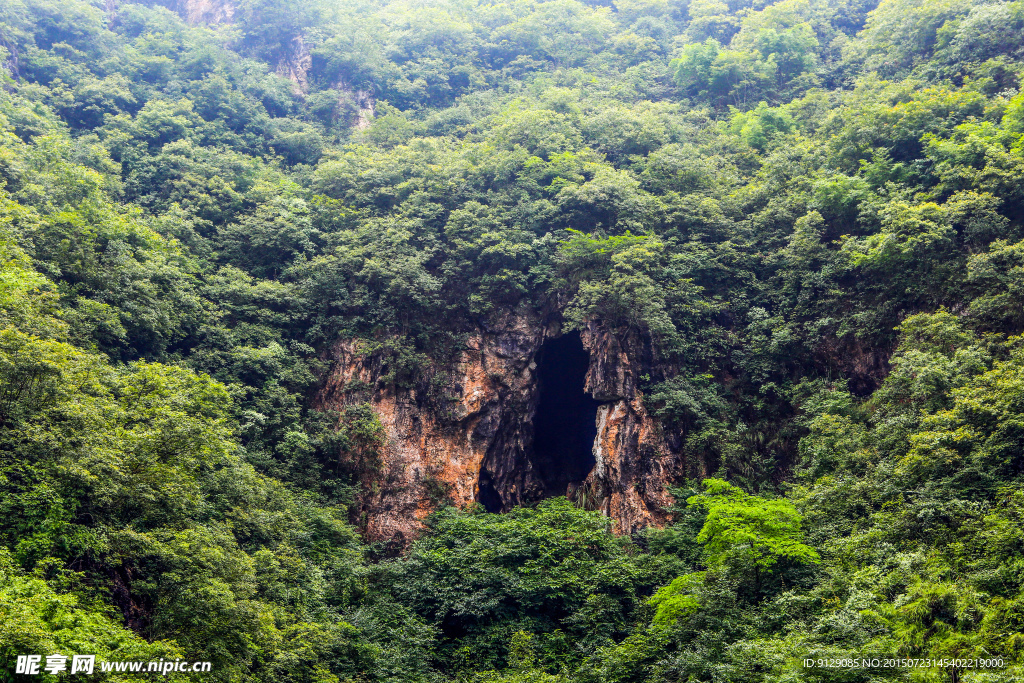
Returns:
(203, 11)
(295, 61)
(192, 11)
(295, 64)
(9, 66)
(633, 461)
(472, 441)
(364, 108)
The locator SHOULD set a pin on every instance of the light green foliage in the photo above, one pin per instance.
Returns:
(758, 126)
(740, 533)
(675, 601)
(722, 75)
(804, 217)
(34, 618)
(626, 293)
(772, 52)
(749, 528)
(26, 298)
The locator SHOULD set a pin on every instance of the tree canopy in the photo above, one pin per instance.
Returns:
(809, 211)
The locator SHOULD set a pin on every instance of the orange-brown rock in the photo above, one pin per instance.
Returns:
(633, 463)
(465, 432)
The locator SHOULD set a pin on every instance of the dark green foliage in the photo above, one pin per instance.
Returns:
(807, 214)
(556, 571)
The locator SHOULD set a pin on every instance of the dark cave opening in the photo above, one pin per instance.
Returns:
(488, 494)
(565, 423)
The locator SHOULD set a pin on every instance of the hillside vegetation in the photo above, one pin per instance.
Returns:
(812, 210)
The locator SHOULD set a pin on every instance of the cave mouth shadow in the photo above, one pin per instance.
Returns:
(487, 493)
(560, 449)
(565, 423)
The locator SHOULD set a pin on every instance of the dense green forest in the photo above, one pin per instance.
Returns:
(812, 210)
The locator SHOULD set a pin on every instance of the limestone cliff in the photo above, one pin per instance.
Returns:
(205, 11)
(633, 462)
(295, 64)
(192, 11)
(473, 441)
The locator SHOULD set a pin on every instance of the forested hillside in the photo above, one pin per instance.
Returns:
(811, 212)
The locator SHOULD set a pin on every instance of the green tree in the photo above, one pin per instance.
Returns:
(749, 532)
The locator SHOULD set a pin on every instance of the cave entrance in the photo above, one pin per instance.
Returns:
(565, 424)
(487, 493)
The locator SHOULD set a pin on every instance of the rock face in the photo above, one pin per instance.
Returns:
(192, 11)
(206, 11)
(364, 106)
(295, 64)
(203, 11)
(472, 440)
(295, 61)
(633, 461)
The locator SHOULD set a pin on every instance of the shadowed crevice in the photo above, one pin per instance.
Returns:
(565, 423)
(487, 494)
